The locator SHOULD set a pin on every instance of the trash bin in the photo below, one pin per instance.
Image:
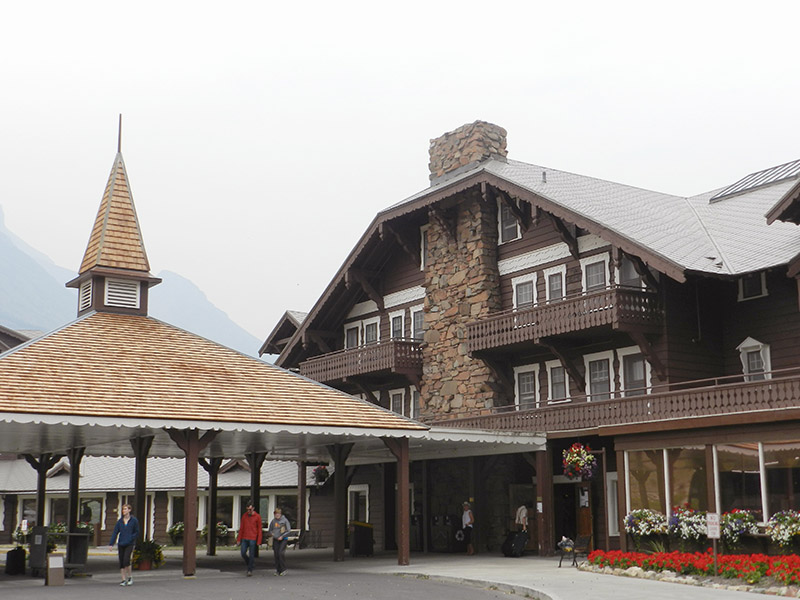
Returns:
(38, 547)
(361, 540)
(55, 570)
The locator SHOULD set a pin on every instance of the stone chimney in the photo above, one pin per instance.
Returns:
(465, 147)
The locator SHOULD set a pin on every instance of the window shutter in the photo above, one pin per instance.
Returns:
(85, 296)
(122, 293)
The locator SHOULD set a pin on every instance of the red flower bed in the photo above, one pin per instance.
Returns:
(747, 567)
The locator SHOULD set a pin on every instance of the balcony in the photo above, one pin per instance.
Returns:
(399, 356)
(621, 308)
(695, 404)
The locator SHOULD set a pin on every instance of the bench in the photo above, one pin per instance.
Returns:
(581, 546)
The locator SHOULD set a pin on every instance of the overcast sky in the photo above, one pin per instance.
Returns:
(260, 140)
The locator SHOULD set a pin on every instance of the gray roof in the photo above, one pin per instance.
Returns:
(297, 315)
(104, 473)
(726, 237)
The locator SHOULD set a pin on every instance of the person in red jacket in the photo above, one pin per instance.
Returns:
(249, 536)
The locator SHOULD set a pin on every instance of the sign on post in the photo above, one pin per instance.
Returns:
(712, 525)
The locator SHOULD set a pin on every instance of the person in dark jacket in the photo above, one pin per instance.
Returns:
(279, 529)
(249, 536)
(125, 533)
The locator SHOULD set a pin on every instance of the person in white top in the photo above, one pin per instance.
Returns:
(467, 521)
(521, 519)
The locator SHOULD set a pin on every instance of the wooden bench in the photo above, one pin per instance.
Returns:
(582, 546)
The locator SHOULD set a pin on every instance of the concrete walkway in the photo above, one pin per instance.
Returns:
(529, 576)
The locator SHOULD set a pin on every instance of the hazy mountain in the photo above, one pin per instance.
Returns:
(33, 296)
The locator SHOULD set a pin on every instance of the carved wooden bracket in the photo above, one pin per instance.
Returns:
(358, 276)
(317, 337)
(365, 390)
(643, 271)
(523, 217)
(566, 362)
(500, 374)
(568, 234)
(647, 349)
(384, 230)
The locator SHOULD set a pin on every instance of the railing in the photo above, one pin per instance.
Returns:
(619, 307)
(693, 400)
(396, 355)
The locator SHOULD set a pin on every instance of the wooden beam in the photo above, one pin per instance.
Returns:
(314, 337)
(384, 230)
(212, 466)
(301, 496)
(545, 509)
(568, 365)
(339, 454)
(567, 233)
(358, 276)
(141, 448)
(399, 448)
(365, 390)
(650, 354)
(499, 372)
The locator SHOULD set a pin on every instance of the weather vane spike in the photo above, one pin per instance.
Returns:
(119, 136)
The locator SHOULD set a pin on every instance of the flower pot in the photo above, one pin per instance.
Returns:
(144, 565)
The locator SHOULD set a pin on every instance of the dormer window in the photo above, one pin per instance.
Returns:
(755, 358)
(122, 293)
(752, 285)
(85, 296)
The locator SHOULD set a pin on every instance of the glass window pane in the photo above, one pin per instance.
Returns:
(58, 510)
(558, 383)
(739, 478)
(177, 509)
(29, 510)
(782, 462)
(371, 333)
(91, 510)
(414, 404)
(555, 287)
(351, 339)
(751, 285)
(527, 388)
(688, 477)
(397, 327)
(288, 506)
(646, 475)
(397, 402)
(225, 510)
(508, 224)
(628, 276)
(634, 372)
(595, 276)
(419, 324)
(524, 294)
(599, 381)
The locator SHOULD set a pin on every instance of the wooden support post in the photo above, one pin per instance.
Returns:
(426, 506)
(339, 454)
(211, 467)
(301, 495)
(256, 461)
(399, 448)
(75, 456)
(544, 501)
(192, 444)
(42, 464)
(141, 448)
(711, 492)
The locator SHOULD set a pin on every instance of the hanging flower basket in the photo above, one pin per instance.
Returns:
(579, 462)
(320, 474)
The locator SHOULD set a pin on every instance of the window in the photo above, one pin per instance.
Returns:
(396, 319)
(415, 403)
(418, 323)
(628, 275)
(635, 375)
(508, 228)
(423, 247)
(644, 480)
(524, 290)
(755, 358)
(85, 295)
(739, 477)
(594, 270)
(371, 332)
(556, 381)
(752, 285)
(351, 337)
(358, 503)
(599, 377)
(554, 279)
(397, 401)
(525, 378)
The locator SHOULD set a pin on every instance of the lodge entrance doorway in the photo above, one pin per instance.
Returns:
(520, 493)
(573, 509)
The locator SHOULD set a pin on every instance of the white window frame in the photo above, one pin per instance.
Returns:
(411, 312)
(549, 365)
(392, 317)
(612, 502)
(536, 391)
(362, 329)
(763, 293)
(753, 345)
(587, 358)
(528, 278)
(352, 325)
(423, 246)
(605, 257)
(358, 487)
(415, 408)
(500, 240)
(621, 354)
(559, 270)
(364, 323)
(402, 393)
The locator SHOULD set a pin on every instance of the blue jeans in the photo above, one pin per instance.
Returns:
(250, 560)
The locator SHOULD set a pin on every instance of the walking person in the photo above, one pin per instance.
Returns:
(249, 536)
(521, 518)
(467, 521)
(125, 533)
(279, 530)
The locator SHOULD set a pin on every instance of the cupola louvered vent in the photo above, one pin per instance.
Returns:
(85, 296)
(122, 293)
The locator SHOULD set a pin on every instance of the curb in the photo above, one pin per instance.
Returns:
(506, 588)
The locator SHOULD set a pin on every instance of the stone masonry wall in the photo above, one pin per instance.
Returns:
(462, 285)
(468, 144)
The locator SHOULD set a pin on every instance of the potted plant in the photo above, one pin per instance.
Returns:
(147, 555)
(688, 526)
(734, 525)
(222, 532)
(783, 528)
(645, 524)
(175, 533)
(579, 462)
(320, 474)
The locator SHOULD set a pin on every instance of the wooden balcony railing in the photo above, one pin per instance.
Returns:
(394, 356)
(689, 402)
(619, 307)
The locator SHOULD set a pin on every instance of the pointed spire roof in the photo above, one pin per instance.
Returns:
(116, 239)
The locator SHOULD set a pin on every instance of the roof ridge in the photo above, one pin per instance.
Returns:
(725, 262)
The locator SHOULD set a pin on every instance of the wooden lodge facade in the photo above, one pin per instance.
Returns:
(661, 331)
